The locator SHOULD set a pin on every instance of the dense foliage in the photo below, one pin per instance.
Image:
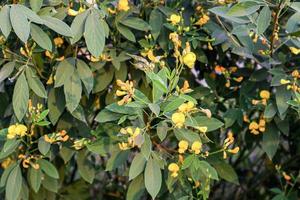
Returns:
(161, 99)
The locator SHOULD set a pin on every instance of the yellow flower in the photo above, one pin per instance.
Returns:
(196, 147)
(203, 20)
(174, 19)
(11, 132)
(21, 130)
(202, 129)
(264, 94)
(123, 146)
(183, 146)
(294, 50)
(5, 163)
(186, 107)
(127, 91)
(178, 119)
(189, 59)
(295, 73)
(186, 88)
(174, 168)
(234, 151)
(123, 5)
(72, 12)
(58, 41)
(284, 81)
(80, 143)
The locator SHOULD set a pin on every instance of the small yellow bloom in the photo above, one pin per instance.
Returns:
(120, 93)
(264, 94)
(123, 5)
(294, 50)
(284, 81)
(189, 59)
(202, 129)
(6, 163)
(203, 20)
(286, 177)
(234, 151)
(123, 146)
(253, 125)
(174, 168)
(183, 146)
(196, 147)
(174, 19)
(11, 133)
(178, 119)
(72, 12)
(58, 41)
(295, 73)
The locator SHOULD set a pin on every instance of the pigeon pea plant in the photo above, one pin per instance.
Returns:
(140, 99)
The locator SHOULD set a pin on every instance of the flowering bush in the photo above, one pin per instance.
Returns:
(149, 99)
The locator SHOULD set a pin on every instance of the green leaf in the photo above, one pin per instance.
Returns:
(153, 178)
(5, 25)
(85, 75)
(270, 111)
(126, 32)
(19, 23)
(66, 154)
(6, 70)
(20, 97)
(156, 22)
(9, 147)
(270, 141)
(6, 173)
(136, 188)
(34, 83)
(64, 71)
(72, 90)
(136, 23)
(57, 26)
(207, 169)
(282, 97)
(43, 146)
(137, 166)
(14, 184)
(173, 105)
(263, 20)
(50, 183)
(226, 172)
(116, 160)
(154, 108)
(86, 171)
(146, 148)
(35, 178)
(162, 130)
(107, 116)
(77, 26)
(243, 9)
(94, 34)
(40, 37)
(78, 113)
(188, 161)
(48, 168)
(211, 123)
(36, 5)
(56, 104)
(102, 79)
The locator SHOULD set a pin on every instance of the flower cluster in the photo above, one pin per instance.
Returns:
(227, 73)
(16, 130)
(134, 138)
(183, 146)
(57, 137)
(81, 143)
(126, 91)
(292, 84)
(257, 128)
(264, 95)
(227, 142)
(29, 160)
(178, 118)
